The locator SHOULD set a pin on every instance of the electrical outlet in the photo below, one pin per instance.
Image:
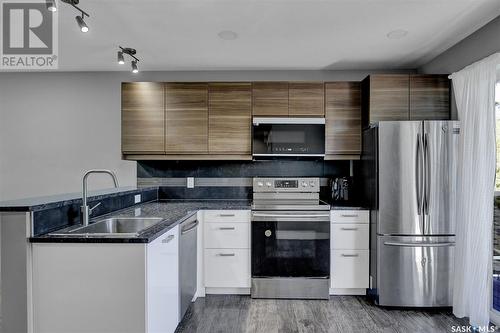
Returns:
(137, 198)
(190, 182)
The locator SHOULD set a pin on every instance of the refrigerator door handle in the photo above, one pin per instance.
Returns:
(419, 174)
(417, 244)
(426, 176)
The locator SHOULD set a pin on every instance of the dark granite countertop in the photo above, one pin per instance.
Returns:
(53, 201)
(172, 211)
(334, 207)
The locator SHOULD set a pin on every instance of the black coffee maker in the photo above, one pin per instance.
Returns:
(342, 190)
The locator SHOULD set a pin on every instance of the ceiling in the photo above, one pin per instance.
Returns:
(272, 34)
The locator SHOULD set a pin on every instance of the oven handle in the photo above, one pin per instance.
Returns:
(290, 215)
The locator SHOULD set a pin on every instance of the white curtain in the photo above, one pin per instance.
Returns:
(474, 88)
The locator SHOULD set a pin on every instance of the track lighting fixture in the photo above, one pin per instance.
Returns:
(121, 61)
(81, 23)
(134, 67)
(131, 53)
(51, 5)
(80, 18)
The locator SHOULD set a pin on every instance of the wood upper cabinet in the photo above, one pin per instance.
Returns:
(405, 97)
(230, 118)
(343, 118)
(270, 99)
(385, 97)
(306, 99)
(429, 97)
(143, 118)
(186, 120)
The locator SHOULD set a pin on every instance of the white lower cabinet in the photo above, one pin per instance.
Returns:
(350, 254)
(226, 246)
(106, 287)
(227, 268)
(162, 283)
(227, 235)
(350, 269)
(350, 236)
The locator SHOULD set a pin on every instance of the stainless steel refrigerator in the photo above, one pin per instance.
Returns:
(410, 170)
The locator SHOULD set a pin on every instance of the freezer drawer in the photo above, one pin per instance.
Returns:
(415, 271)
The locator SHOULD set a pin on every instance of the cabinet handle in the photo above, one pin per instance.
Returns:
(227, 228)
(350, 255)
(349, 229)
(190, 228)
(226, 215)
(349, 215)
(168, 238)
(226, 254)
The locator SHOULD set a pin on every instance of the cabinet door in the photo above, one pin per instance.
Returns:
(163, 282)
(349, 236)
(350, 269)
(227, 235)
(350, 216)
(270, 99)
(389, 97)
(429, 97)
(343, 118)
(306, 99)
(186, 118)
(227, 268)
(230, 216)
(143, 118)
(230, 118)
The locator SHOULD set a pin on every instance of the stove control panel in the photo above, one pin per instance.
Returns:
(286, 183)
(306, 184)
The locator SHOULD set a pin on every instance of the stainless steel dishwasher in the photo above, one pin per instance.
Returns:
(187, 263)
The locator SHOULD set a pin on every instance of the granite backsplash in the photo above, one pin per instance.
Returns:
(225, 169)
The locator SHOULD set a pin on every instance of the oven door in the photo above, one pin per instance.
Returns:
(290, 245)
(275, 137)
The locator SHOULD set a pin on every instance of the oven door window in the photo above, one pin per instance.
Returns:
(290, 249)
(296, 139)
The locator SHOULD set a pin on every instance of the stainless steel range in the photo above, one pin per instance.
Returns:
(290, 239)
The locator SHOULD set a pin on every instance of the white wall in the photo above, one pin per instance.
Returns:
(53, 126)
(476, 46)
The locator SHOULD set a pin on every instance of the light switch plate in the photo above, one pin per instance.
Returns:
(190, 182)
(137, 198)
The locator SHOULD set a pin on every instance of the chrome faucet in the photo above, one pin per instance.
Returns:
(86, 211)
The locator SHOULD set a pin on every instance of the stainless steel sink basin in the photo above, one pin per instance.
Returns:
(117, 226)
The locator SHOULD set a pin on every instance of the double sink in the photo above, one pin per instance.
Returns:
(115, 226)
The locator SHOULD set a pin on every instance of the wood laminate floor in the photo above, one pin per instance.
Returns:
(234, 314)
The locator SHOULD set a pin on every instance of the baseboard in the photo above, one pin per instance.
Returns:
(246, 291)
(227, 291)
(350, 291)
(495, 317)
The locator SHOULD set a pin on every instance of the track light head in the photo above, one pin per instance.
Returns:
(121, 60)
(131, 53)
(51, 5)
(81, 23)
(135, 70)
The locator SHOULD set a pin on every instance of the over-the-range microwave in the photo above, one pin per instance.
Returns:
(288, 137)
